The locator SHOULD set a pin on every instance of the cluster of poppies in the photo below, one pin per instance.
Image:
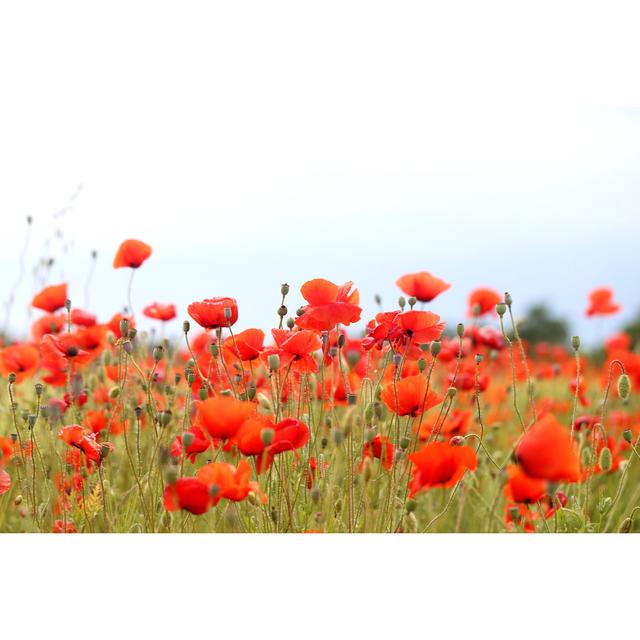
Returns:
(421, 407)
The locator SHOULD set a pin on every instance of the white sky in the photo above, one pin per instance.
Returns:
(253, 143)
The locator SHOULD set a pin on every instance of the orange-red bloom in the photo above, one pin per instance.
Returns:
(246, 345)
(483, 301)
(381, 448)
(521, 488)
(295, 349)
(131, 253)
(546, 451)
(329, 305)
(189, 494)
(422, 285)
(226, 481)
(222, 416)
(74, 435)
(21, 359)
(440, 464)
(51, 298)
(601, 303)
(157, 311)
(211, 313)
(409, 397)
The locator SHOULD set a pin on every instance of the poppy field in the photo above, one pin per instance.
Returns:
(403, 426)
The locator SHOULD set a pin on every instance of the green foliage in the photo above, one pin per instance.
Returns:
(540, 325)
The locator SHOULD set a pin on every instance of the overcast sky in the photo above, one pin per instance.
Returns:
(249, 153)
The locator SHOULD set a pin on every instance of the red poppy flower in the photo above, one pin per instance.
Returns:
(5, 482)
(131, 253)
(440, 464)
(420, 326)
(546, 451)
(51, 298)
(601, 303)
(246, 345)
(409, 396)
(381, 448)
(58, 351)
(295, 349)
(83, 318)
(231, 483)
(189, 494)
(422, 285)
(222, 416)
(210, 313)
(483, 301)
(21, 359)
(329, 305)
(199, 444)
(157, 311)
(60, 527)
(521, 488)
(49, 323)
(74, 435)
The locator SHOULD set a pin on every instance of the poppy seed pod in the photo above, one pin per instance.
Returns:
(291, 323)
(124, 327)
(412, 301)
(451, 392)
(422, 365)
(274, 361)
(626, 525)
(39, 388)
(114, 392)
(203, 393)
(624, 386)
(128, 347)
(158, 352)
(187, 439)
(342, 340)
(436, 347)
(508, 300)
(460, 330)
(501, 308)
(267, 435)
(352, 399)
(299, 311)
(402, 302)
(478, 358)
(404, 443)
(627, 435)
(67, 304)
(284, 289)
(606, 460)
(575, 343)
(12, 377)
(282, 311)
(186, 325)
(227, 313)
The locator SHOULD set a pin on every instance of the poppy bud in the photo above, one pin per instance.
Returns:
(105, 450)
(333, 352)
(460, 329)
(39, 388)
(422, 365)
(501, 308)
(299, 311)
(127, 347)
(203, 394)
(114, 392)
(157, 354)
(164, 418)
(508, 300)
(341, 340)
(324, 442)
(186, 325)
(412, 301)
(314, 494)
(291, 323)
(124, 327)
(436, 346)
(227, 313)
(627, 434)
(605, 459)
(191, 377)
(12, 377)
(282, 311)
(171, 475)
(251, 390)
(284, 289)
(626, 525)
(624, 386)
(133, 332)
(402, 302)
(213, 350)
(587, 456)
(187, 439)
(456, 441)
(404, 443)
(274, 362)
(575, 343)
(451, 392)
(267, 435)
